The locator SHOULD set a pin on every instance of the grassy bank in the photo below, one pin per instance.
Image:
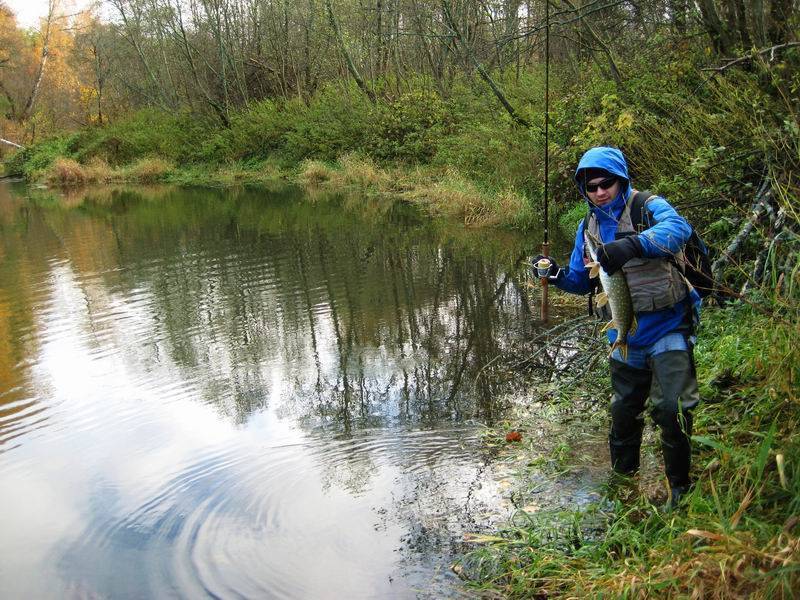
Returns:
(696, 140)
(738, 535)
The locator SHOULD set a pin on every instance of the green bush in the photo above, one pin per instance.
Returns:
(569, 219)
(260, 130)
(335, 122)
(149, 132)
(408, 128)
(34, 160)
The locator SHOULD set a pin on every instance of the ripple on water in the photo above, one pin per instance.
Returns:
(158, 385)
(250, 520)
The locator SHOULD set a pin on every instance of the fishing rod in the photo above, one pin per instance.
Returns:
(546, 242)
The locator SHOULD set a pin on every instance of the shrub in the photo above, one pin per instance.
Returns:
(335, 122)
(408, 128)
(458, 197)
(148, 170)
(494, 154)
(149, 132)
(261, 129)
(362, 171)
(569, 219)
(314, 172)
(66, 171)
(34, 160)
(98, 171)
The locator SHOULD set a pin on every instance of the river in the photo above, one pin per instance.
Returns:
(248, 393)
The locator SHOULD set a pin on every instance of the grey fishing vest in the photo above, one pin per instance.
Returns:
(655, 283)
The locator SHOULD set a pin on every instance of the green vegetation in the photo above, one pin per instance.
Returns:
(710, 143)
(737, 535)
(701, 142)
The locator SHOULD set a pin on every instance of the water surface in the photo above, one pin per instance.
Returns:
(248, 393)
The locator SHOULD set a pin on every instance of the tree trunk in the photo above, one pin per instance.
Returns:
(37, 81)
(677, 10)
(780, 15)
(616, 74)
(757, 11)
(740, 17)
(381, 66)
(481, 71)
(714, 27)
(130, 34)
(218, 108)
(351, 66)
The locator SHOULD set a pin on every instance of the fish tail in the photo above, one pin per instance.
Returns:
(622, 347)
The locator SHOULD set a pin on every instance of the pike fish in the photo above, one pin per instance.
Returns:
(617, 295)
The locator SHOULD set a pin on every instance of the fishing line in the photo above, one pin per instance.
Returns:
(546, 242)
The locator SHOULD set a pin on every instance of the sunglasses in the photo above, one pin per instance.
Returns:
(604, 184)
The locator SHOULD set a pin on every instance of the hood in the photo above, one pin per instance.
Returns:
(611, 160)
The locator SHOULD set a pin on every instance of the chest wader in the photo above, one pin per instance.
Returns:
(671, 384)
(669, 379)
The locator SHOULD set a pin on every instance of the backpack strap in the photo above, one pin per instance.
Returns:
(641, 218)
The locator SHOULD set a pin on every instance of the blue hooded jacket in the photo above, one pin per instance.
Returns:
(668, 235)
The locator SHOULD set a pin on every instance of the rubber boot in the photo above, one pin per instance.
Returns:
(631, 387)
(674, 394)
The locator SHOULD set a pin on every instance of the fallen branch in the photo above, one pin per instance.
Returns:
(10, 143)
(751, 56)
(768, 248)
(760, 209)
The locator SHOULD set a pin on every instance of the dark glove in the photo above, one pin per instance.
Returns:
(552, 272)
(615, 254)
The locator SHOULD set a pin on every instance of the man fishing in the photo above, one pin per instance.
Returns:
(652, 355)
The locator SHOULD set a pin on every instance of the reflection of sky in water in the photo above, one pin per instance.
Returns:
(241, 414)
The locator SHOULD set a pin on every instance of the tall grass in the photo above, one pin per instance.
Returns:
(69, 172)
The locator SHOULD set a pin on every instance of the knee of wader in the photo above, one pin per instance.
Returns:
(675, 426)
(627, 412)
(674, 391)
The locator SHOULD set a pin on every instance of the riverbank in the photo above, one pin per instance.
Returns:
(438, 191)
(701, 145)
(737, 534)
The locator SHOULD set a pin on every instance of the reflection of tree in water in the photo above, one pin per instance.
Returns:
(346, 321)
(368, 333)
(410, 346)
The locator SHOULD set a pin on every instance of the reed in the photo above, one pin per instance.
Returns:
(66, 171)
(314, 173)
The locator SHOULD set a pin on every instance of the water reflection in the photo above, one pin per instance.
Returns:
(243, 393)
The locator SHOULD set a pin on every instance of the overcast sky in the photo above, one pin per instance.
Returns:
(29, 11)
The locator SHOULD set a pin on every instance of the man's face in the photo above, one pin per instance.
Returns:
(605, 190)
